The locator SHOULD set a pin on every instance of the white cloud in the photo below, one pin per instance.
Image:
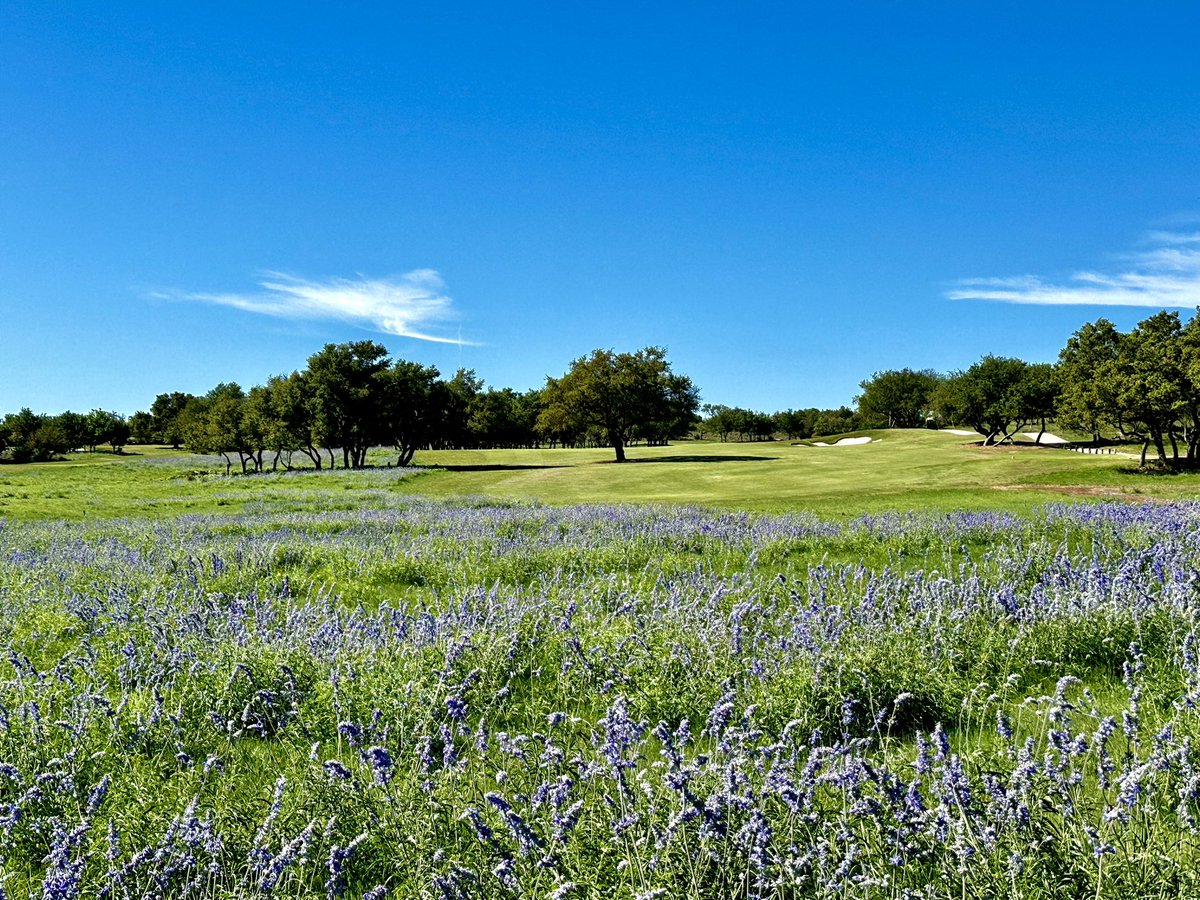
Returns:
(1165, 275)
(403, 306)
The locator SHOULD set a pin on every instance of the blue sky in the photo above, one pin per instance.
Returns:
(788, 197)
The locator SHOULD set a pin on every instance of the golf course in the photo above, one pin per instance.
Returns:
(899, 469)
(902, 665)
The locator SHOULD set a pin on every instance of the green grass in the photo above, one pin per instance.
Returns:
(315, 598)
(904, 469)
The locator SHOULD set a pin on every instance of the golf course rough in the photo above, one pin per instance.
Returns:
(419, 698)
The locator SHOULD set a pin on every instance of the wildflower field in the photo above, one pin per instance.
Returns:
(397, 697)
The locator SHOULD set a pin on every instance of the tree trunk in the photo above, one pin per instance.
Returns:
(1043, 431)
(1159, 447)
(619, 447)
(1145, 447)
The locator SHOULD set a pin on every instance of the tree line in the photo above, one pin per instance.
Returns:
(1139, 386)
(26, 436)
(1142, 385)
(353, 396)
(734, 423)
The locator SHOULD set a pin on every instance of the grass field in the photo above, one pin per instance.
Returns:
(904, 470)
(888, 670)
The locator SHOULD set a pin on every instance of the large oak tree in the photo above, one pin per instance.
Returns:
(620, 396)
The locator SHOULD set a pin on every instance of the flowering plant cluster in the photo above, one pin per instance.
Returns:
(451, 701)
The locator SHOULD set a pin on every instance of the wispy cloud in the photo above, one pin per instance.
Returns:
(404, 306)
(1166, 274)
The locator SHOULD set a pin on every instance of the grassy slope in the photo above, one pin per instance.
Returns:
(904, 470)
(913, 469)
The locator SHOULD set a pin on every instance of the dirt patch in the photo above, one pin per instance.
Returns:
(1012, 448)
(1086, 490)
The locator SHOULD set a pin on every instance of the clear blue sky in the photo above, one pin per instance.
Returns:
(787, 196)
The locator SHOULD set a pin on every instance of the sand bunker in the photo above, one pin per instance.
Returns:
(1047, 437)
(846, 442)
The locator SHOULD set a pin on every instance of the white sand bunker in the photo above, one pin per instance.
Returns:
(846, 442)
(1047, 437)
(959, 431)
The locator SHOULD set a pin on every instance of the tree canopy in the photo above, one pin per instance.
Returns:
(620, 395)
(898, 398)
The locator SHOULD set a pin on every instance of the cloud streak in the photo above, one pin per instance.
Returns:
(405, 306)
(1165, 275)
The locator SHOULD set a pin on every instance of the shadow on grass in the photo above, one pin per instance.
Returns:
(1154, 468)
(702, 459)
(498, 468)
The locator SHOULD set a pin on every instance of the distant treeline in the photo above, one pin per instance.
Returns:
(352, 396)
(733, 423)
(1143, 385)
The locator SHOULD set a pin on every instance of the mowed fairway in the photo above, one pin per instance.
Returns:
(901, 470)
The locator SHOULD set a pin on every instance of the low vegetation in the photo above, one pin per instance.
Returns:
(412, 698)
(320, 685)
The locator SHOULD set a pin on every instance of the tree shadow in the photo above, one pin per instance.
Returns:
(497, 467)
(701, 459)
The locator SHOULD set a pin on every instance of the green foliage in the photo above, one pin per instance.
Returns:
(343, 397)
(741, 424)
(166, 412)
(898, 398)
(989, 396)
(26, 436)
(620, 396)
(1144, 383)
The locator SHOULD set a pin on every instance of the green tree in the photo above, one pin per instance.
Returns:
(74, 427)
(30, 437)
(987, 396)
(1085, 366)
(1151, 386)
(1189, 339)
(101, 426)
(1037, 395)
(166, 411)
(214, 424)
(529, 406)
(720, 420)
(453, 401)
(409, 414)
(141, 428)
(792, 423)
(620, 394)
(495, 419)
(291, 419)
(344, 398)
(118, 434)
(834, 421)
(897, 398)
